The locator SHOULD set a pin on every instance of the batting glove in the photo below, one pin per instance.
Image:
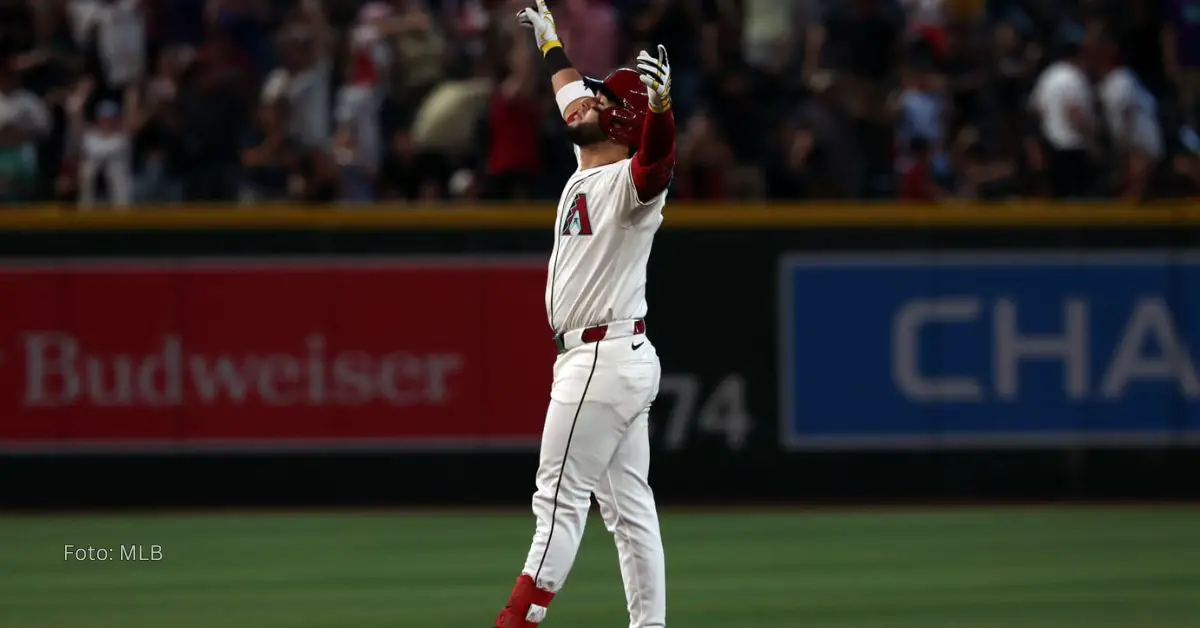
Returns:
(542, 23)
(656, 76)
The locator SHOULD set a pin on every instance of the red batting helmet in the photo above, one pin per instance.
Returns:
(622, 122)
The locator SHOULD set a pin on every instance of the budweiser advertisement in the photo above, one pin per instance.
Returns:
(439, 353)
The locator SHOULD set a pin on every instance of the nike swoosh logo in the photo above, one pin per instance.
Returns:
(638, 346)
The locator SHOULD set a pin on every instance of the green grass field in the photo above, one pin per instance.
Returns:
(979, 568)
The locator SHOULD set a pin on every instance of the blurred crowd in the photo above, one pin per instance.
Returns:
(116, 103)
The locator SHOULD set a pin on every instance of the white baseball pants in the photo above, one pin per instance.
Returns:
(596, 442)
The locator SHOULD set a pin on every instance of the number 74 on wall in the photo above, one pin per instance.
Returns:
(722, 413)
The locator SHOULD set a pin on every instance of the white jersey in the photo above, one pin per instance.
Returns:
(1061, 86)
(1132, 112)
(602, 240)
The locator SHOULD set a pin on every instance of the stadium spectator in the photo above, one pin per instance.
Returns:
(1014, 63)
(917, 181)
(687, 28)
(211, 121)
(925, 13)
(1063, 99)
(113, 34)
(704, 160)
(838, 164)
(246, 25)
(865, 37)
(1131, 114)
(922, 111)
(316, 179)
(305, 78)
(1181, 54)
(1183, 177)
(513, 126)
(967, 78)
(980, 176)
(357, 113)
(419, 54)
(793, 166)
(770, 32)
(589, 30)
(158, 136)
(410, 174)
(269, 156)
(106, 158)
(425, 100)
(24, 121)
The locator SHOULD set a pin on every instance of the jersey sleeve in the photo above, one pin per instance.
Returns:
(634, 211)
(653, 165)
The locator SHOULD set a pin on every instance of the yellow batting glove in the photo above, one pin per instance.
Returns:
(655, 73)
(542, 22)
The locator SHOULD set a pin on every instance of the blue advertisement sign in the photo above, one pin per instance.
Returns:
(961, 349)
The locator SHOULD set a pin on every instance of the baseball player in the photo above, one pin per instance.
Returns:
(596, 439)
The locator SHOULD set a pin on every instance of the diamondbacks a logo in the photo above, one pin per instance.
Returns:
(577, 221)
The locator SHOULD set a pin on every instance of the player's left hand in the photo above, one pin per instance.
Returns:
(655, 73)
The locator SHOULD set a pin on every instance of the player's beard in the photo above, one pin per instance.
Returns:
(585, 134)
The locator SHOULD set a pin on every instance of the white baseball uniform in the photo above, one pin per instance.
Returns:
(596, 436)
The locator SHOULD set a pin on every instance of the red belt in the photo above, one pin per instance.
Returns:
(596, 334)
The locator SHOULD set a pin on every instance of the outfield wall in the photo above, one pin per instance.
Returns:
(400, 356)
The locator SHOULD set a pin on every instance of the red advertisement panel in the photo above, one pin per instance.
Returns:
(273, 354)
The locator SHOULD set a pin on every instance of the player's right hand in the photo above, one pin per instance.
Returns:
(542, 22)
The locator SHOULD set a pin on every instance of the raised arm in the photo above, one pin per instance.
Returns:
(569, 91)
(653, 164)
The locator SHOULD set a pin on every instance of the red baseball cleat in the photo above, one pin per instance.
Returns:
(526, 606)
